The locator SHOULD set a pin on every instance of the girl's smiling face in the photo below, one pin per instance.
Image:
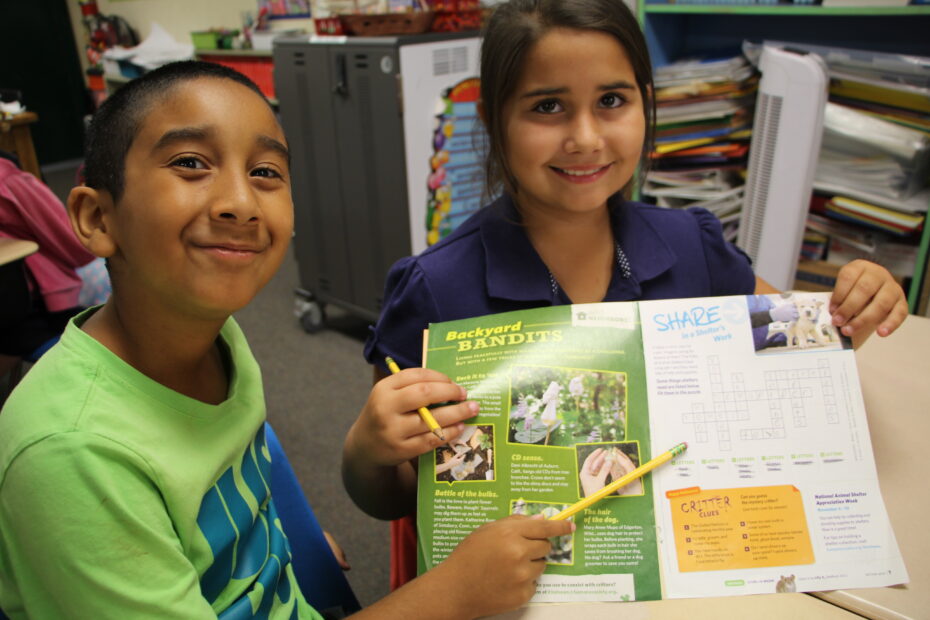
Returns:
(575, 126)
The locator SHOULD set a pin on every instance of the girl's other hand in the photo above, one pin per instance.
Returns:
(867, 299)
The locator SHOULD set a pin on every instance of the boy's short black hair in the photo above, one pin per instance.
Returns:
(116, 123)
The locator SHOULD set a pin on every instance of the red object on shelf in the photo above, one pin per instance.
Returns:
(95, 81)
(454, 5)
(455, 15)
(456, 21)
(89, 8)
(259, 69)
(328, 25)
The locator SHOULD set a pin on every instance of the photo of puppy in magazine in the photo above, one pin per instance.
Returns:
(795, 321)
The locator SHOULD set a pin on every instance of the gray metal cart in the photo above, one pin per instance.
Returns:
(341, 107)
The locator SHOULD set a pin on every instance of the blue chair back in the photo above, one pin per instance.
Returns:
(320, 577)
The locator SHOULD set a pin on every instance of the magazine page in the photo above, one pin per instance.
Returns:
(778, 490)
(562, 392)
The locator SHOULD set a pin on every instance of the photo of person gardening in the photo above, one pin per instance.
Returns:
(554, 406)
(600, 464)
(470, 456)
(561, 552)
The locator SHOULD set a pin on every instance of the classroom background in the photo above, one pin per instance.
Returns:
(62, 57)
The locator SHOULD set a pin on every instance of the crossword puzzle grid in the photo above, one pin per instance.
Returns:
(783, 389)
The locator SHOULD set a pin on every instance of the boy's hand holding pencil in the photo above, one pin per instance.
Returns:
(495, 567)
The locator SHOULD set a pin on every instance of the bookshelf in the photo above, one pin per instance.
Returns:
(674, 31)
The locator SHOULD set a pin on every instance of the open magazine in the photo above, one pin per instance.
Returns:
(777, 491)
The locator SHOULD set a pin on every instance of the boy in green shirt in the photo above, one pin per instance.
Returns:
(133, 466)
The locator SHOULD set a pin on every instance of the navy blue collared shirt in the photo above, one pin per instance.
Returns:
(488, 265)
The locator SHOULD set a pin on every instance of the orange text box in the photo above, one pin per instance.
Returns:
(739, 528)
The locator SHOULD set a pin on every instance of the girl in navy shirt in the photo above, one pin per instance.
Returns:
(567, 100)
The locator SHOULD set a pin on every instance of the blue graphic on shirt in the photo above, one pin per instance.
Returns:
(246, 545)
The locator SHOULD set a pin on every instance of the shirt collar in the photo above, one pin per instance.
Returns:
(648, 251)
(515, 271)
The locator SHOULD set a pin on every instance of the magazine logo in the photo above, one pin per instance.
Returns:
(618, 315)
(499, 336)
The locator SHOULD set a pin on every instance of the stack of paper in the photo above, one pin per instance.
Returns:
(703, 113)
(704, 120)
(839, 234)
(864, 152)
(718, 191)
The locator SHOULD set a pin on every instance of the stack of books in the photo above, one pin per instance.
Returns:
(872, 216)
(839, 230)
(703, 126)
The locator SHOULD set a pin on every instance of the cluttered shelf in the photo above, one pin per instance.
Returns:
(870, 195)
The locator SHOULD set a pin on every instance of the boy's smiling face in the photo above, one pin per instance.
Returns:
(206, 215)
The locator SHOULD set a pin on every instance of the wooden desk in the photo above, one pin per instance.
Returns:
(757, 607)
(895, 377)
(16, 137)
(11, 281)
(14, 292)
(15, 249)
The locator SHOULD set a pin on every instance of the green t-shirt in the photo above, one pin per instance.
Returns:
(121, 498)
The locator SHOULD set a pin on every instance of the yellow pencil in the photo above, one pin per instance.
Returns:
(423, 411)
(639, 472)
